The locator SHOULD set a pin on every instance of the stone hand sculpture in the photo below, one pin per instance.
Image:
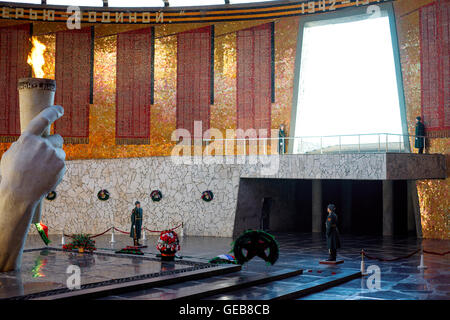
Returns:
(33, 166)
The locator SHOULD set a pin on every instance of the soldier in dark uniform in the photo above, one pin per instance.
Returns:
(136, 223)
(333, 241)
(281, 140)
(420, 135)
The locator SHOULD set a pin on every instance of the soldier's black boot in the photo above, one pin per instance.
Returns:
(332, 256)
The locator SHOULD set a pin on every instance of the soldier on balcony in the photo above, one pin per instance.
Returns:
(281, 140)
(420, 135)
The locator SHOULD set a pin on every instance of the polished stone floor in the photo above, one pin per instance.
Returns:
(46, 269)
(400, 280)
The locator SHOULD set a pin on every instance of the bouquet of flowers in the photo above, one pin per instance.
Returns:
(81, 241)
(168, 242)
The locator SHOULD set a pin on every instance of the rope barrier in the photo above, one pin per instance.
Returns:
(404, 257)
(100, 234)
(437, 253)
(387, 260)
(164, 230)
(124, 232)
(90, 237)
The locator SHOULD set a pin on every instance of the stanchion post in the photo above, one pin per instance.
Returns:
(182, 230)
(63, 241)
(143, 234)
(112, 235)
(422, 265)
(363, 268)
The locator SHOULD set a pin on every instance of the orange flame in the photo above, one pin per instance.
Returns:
(36, 58)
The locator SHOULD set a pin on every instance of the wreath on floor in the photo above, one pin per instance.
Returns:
(80, 241)
(223, 259)
(255, 243)
(207, 196)
(131, 250)
(103, 195)
(156, 195)
(51, 195)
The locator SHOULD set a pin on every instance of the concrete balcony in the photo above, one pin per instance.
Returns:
(348, 166)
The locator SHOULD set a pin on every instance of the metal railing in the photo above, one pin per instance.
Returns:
(353, 143)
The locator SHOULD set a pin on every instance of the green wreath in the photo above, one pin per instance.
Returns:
(103, 195)
(255, 243)
(131, 250)
(207, 195)
(156, 195)
(51, 195)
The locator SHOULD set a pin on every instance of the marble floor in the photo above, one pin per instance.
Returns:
(46, 270)
(399, 280)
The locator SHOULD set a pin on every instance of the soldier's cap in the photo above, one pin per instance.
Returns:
(419, 118)
(332, 207)
(136, 203)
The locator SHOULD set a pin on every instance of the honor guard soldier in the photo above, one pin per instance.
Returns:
(136, 223)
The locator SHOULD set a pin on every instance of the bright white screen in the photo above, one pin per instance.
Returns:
(347, 80)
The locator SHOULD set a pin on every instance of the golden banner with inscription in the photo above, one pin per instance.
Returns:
(72, 14)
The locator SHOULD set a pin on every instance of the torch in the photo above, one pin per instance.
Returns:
(35, 95)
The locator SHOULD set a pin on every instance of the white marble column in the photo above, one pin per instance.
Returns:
(316, 205)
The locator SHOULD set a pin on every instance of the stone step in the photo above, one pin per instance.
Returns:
(294, 288)
(131, 286)
(208, 287)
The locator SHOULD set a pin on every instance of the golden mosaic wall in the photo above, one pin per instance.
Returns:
(434, 195)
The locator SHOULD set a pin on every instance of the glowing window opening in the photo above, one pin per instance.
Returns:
(347, 85)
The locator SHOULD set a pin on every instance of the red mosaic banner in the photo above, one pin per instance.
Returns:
(73, 75)
(254, 77)
(134, 86)
(435, 66)
(194, 79)
(14, 48)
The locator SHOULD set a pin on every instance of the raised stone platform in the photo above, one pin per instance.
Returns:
(354, 166)
(44, 274)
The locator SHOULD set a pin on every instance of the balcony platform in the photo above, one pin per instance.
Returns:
(349, 166)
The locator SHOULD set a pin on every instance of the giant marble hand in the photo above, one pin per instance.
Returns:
(33, 166)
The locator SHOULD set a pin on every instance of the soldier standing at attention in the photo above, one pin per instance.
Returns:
(333, 241)
(420, 135)
(136, 223)
(281, 140)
